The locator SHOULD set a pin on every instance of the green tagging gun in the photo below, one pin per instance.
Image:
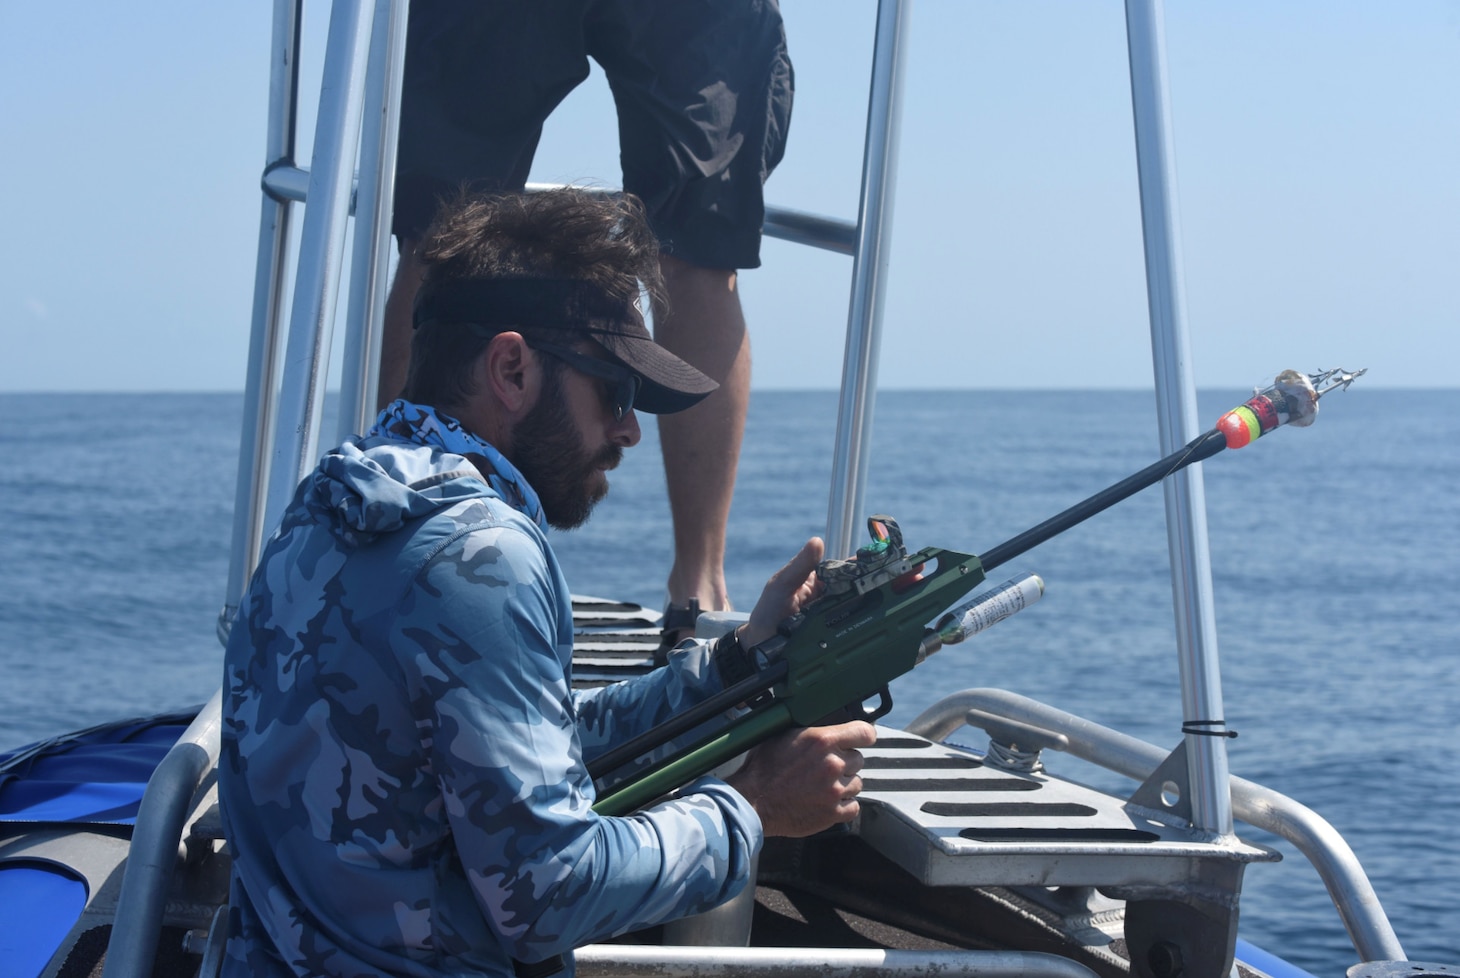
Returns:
(870, 624)
(828, 661)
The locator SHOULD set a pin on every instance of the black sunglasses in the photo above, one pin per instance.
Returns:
(623, 386)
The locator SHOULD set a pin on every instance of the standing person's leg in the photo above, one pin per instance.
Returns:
(704, 326)
(704, 100)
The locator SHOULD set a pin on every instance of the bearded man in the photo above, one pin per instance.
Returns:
(403, 773)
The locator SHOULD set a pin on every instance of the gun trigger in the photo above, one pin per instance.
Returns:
(883, 707)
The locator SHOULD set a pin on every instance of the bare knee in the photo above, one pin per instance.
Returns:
(683, 276)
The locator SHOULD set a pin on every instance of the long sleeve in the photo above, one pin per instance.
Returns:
(485, 639)
(610, 715)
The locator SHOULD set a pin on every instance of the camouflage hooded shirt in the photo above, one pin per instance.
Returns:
(403, 774)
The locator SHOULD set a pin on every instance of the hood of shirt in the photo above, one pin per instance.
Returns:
(370, 486)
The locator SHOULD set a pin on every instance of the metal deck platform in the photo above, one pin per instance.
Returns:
(949, 819)
(612, 640)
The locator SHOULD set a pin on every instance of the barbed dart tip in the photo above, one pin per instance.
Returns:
(1340, 380)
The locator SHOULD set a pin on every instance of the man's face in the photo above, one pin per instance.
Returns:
(567, 442)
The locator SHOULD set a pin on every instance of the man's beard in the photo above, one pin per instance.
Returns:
(548, 451)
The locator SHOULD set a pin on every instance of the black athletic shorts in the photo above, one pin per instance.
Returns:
(703, 90)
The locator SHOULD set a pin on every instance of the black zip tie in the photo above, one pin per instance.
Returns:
(1194, 727)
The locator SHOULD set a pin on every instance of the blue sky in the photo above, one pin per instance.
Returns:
(1317, 152)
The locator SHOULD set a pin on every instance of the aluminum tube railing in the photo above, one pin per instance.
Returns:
(289, 182)
(1186, 526)
(374, 201)
(258, 416)
(321, 249)
(797, 227)
(1348, 886)
(852, 451)
(629, 961)
(152, 857)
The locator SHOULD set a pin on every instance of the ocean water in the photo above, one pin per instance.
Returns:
(1335, 553)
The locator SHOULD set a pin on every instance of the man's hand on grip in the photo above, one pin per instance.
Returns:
(805, 780)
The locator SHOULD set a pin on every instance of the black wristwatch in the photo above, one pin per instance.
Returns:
(732, 659)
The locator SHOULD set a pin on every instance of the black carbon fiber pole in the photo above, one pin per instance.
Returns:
(1199, 448)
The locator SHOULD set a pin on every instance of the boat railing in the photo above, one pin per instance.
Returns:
(1176, 413)
(625, 961)
(1358, 905)
(290, 182)
(152, 857)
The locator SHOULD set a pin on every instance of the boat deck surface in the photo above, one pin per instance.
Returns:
(945, 815)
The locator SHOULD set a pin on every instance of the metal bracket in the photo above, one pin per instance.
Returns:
(1165, 791)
